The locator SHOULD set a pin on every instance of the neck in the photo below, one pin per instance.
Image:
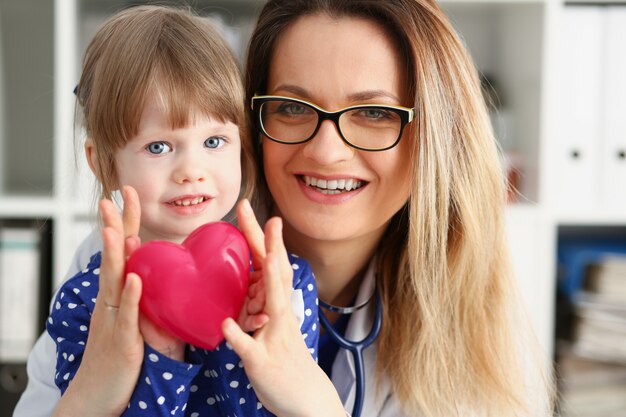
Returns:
(339, 265)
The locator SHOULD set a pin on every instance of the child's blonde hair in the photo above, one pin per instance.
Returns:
(165, 51)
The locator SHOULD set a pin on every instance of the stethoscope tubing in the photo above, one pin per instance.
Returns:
(356, 349)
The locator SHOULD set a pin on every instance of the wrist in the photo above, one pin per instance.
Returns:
(76, 404)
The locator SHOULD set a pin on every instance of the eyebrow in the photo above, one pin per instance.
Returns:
(355, 97)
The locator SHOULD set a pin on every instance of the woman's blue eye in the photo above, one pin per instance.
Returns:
(375, 113)
(292, 108)
(158, 148)
(214, 142)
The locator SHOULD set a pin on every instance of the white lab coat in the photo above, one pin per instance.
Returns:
(41, 395)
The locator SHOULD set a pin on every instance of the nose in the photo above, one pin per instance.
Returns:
(189, 168)
(327, 147)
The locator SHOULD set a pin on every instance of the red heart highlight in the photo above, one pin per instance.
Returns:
(189, 289)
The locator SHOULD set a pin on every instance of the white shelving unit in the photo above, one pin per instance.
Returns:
(518, 44)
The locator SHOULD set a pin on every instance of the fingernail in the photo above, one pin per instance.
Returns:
(227, 325)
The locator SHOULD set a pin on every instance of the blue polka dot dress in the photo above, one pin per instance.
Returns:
(207, 383)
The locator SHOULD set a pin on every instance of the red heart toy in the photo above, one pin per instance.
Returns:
(189, 289)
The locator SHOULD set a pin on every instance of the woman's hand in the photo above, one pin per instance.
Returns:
(276, 359)
(114, 351)
(111, 363)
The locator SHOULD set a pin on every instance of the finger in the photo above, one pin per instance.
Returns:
(128, 316)
(275, 296)
(253, 323)
(255, 276)
(112, 267)
(132, 211)
(274, 243)
(242, 343)
(252, 231)
(256, 304)
(131, 243)
(111, 216)
(255, 288)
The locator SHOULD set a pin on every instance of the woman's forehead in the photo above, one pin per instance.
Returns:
(345, 56)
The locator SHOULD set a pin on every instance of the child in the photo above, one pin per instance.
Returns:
(163, 107)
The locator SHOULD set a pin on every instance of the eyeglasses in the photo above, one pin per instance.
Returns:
(368, 127)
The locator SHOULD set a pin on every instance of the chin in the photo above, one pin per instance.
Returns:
(326, 231)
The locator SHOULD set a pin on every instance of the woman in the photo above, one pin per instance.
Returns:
(418, 216)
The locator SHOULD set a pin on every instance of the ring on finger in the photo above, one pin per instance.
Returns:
(111, 306)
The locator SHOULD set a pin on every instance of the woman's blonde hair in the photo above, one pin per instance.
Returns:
(165, 51)
(452, 341)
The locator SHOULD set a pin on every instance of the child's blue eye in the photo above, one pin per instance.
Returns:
(158, 148)
(214, 142)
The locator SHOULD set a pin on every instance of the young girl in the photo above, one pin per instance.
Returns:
(163, 108)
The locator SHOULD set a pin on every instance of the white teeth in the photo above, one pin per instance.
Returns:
(191, 202)
(332, 185)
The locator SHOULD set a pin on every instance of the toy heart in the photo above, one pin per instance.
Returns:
(189, 289)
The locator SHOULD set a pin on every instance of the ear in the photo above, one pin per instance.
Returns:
(92, 156)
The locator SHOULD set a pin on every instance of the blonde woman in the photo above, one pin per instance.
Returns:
(425, 222)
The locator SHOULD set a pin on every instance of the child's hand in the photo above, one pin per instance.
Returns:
(161, 340)
(252, 316)
(276, 359)
(114, 351)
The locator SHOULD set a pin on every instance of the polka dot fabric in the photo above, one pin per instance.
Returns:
(208, 383)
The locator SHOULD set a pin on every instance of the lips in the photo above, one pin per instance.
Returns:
(332, 186)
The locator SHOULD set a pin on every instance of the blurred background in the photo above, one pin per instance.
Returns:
(553, 73)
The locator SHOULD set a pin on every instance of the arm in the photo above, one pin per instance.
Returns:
(276, 358)
(103, 387)
(99, 387)
(41, 394)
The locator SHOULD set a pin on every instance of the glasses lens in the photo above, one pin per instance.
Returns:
(371, 127)
(288, 121)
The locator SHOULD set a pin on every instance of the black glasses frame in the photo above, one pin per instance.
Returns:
(406, 116)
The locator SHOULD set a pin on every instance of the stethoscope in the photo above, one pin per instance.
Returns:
(355, 347)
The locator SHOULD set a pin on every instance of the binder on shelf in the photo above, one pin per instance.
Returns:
(614, 149)
(580, 85)
(19, 292)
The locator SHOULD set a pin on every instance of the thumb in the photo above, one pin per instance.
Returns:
(243, 344)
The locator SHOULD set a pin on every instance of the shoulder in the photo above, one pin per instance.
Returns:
(83, 285)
